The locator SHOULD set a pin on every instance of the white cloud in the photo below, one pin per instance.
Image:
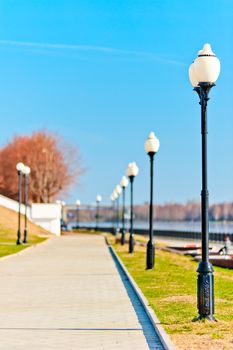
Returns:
(88, 48)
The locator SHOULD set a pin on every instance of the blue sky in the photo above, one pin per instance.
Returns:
(103, 74)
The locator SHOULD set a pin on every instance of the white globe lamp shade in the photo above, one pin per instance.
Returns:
(128, 170)
(78, 203)
(115, 195)
(20, 167)
(27, 170)
(118, 190)
(124, 182)
(98, 198)
(132, 170)
(152, 144)
(206, 66)
(192, 76)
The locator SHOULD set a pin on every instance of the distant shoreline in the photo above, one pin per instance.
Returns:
(174, 225)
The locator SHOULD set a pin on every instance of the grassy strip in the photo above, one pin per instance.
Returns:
(82, 231)
(8, 241)
(171, 291)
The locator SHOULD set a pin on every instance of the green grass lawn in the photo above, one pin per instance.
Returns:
(171, 291)
(8, 239)
(10, 247)
(82, 231)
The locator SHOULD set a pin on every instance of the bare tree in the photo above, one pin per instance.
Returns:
(55, 165)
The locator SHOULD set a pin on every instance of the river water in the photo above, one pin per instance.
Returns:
(216, 227)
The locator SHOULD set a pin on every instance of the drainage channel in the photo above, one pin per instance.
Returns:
(154, 340)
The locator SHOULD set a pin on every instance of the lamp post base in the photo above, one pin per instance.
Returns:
(205, 291)
(19, 241)
(123, 231)
(131, 244)
(208, 318)
(150, 255)
(25, 239)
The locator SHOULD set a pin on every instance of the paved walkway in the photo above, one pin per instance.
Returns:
(68, 294)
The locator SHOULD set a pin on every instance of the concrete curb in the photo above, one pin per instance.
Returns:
(163, 336)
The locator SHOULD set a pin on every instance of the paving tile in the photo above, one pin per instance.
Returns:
(68, 294)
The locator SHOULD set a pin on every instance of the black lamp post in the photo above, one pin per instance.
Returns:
(26, 173)
(203, 74)
(113, 200)
(124, 183)
(62, 205)
(116, 213)
(151, 147)
(132, 171)
(78, 204)
(98, 200)
(20, 168)
(62, 213)
(112, 212)
(118, 191)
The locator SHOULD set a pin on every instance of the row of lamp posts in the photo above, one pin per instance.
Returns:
(23, 173)
(203, 74)
(77, 216)
(151, 147)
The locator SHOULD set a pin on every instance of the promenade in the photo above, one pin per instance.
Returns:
(68, 294)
